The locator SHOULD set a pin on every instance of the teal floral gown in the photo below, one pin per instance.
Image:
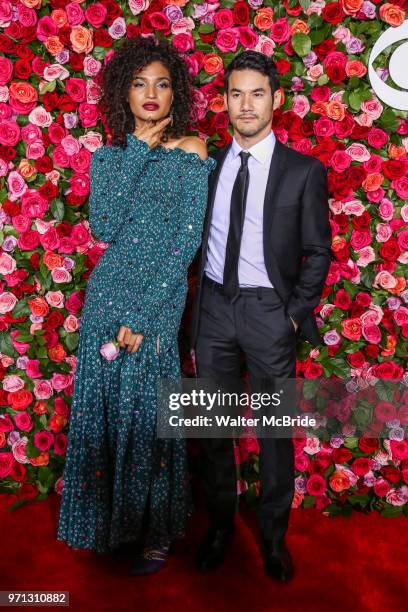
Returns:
(149, 206)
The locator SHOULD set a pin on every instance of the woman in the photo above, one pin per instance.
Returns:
(147, 201)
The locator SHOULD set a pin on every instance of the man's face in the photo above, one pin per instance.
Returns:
(249, 102)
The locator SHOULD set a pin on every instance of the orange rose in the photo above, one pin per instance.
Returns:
(217, 104)
(57, 423)
(57, 353)
(81, 39)
(392, 14)
(339, 481)
(297, 499)
(38, 306)
(59, 17)
(389, 349)
(355, 68)
(399, 287)
(35, 4)
(373, 181)
(52, 260)
(23, 92)
(396, 152)
(53, 45)
(42, 459)
(338, 243)
(264, 19)
(40, 407)
(336, 110)
(299, 26)
(351, 7)
(319, 108)
(212, 63)
(2, 439)
(177, 2)
(26, 169)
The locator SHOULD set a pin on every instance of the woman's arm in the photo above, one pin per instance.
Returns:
(114, 174)
(181, 250)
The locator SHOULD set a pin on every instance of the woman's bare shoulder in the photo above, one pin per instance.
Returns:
(193, 144)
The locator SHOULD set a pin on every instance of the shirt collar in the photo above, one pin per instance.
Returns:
(261, 151)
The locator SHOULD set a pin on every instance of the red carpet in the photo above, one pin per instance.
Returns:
(358, 563)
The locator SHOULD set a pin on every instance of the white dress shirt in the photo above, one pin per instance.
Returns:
(251, 264)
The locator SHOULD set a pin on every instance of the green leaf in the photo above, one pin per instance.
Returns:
(302, 44)
(391, 511)
(355, 100)
(71, 341)
(309, 501)
(57, 209)
(6, 346)
(21, 308)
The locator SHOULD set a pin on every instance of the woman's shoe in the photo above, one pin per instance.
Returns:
(151, 560)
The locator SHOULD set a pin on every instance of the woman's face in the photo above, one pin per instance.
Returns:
(151, 93)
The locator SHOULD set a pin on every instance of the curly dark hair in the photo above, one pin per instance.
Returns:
(116, 78)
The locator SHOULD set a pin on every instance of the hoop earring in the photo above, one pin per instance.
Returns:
(171, 119)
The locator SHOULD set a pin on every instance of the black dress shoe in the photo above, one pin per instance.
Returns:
(277, 561)
(211, 551)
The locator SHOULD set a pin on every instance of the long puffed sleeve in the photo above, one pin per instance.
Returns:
(181, 249)
(113, 175)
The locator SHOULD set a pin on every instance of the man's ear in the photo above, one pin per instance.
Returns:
(225, 101)
(278, 98)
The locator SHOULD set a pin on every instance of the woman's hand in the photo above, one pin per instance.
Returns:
(127, 338)
(151, 132)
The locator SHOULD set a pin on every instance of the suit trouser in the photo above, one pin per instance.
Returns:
(258, 325)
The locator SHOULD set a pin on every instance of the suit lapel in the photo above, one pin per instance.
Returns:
(273, 186)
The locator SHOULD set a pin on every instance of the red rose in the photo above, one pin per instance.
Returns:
(44, 164)
(394, 168)
(76, 60)
(50, 100)
(391, 473)
(20, 400)
(325, 47)
(313, 370)
(356, 360)
(355, 176)
(386, 369)
(132, 30)
(282, 66)
(341, 455)
(390, 250)
(368, 445)
(241, 13)
(342, 299)
(361, 465)
(55, 319)
(35, 261)
(102, 38)
(333, 13)
(22, 69)
(6, 44)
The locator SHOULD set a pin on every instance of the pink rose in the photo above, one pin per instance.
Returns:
(80, 161)
(43, 440)
(340, 161)
(17, 185)
(75, 14)
(35, 150)
(9, 133)
(110, 350)
(76, 89)
(23, 421)
(79, 184)
(247, 37)
(19, 449)
(61, 275)
(96, 14)
(31, 133)
(401, 316)
(7, 263)
(6, 70)
(280, 30)
(300, 105)
(372, 333)
(26, 16)
(42, 389)
(56, 133)
(33, 368)
(60, 157)
(358, 152)
(71, 324)
(55, 299)
(399, 449)
(13, 383)
(46, 27)
(33, 204)
(400, 185)
(39, 116)
(402, 238)
(61, 381)
(80, 235)
(227, 40)
(360, 239)
(385, 280)
(7, 302)
(386, 209)
(89, 114)
(384, 232)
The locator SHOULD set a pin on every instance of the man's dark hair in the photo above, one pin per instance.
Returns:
(253, 60)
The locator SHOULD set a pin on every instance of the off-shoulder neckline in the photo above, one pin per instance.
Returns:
(179, 150)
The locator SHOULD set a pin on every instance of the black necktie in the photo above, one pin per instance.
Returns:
(237, 216)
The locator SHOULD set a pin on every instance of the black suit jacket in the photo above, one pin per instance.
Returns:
(295, 227)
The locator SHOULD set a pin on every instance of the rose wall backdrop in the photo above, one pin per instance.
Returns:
(51, 55)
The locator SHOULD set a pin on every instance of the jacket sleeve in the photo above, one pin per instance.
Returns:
(181, 249)
(316, 244)
(113, 175)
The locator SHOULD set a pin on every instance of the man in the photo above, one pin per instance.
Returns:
(265, 256)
